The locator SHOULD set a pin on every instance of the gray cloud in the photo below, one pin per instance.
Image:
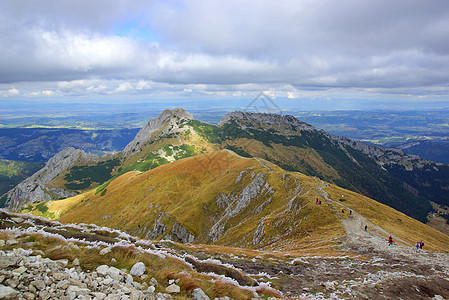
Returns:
(225, 45)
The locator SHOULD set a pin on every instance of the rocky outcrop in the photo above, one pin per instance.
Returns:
(168, 122)
(34, 189)
(158, 229)
(380, 155)
(283, 124)
(182, 234)
(259, 234)
(235, 204)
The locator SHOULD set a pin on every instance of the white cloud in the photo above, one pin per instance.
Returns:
(11, 92)
(224, 47)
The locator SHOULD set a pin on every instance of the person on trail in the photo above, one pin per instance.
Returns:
(418, 244)
(390, 241)
(366, 227)
(316, 201)
(350, 212)
(421, 244)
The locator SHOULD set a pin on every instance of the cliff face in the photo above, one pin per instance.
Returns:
(35, 189)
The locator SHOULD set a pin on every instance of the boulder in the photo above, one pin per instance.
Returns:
(102, 270)
(198, 294)
(138, 269)
(7, 292)
(105, 251)
(172, 289)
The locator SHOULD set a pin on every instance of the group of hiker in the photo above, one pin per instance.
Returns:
(419, 245)
(318, 201)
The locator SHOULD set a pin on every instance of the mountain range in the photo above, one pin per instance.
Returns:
(260, 205)
(402, 181)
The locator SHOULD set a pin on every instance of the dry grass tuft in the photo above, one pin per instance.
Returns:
(60, 253)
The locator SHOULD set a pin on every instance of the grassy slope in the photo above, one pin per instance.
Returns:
(186, 191)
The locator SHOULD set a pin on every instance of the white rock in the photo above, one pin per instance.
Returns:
(7, 292)
(153, 282)
(11, 242)
(76, 262)
(138, 269)
(105, 251)
(102, 270)
(128, 279)
(172, 289)
(99, 295)
(198, 294)
(114, 273)
(2, 243)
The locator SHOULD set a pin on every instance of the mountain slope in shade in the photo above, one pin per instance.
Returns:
(224, 199)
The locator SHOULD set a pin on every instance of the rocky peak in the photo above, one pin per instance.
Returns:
(34, 188)
(284, 124)
(165, 123)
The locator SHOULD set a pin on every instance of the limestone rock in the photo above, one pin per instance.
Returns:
(7, 261)
(182, 233)
(172, 289)
(198, 294)
(102, 270)
(7, 292)
(138, 269)
(105, 251)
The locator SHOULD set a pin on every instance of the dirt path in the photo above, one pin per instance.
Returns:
(375, 239)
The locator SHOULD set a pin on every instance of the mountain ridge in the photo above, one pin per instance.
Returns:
(387, 175)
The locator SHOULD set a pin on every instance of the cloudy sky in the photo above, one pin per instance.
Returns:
(142, 49)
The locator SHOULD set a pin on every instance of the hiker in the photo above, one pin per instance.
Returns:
(319, 202)
(390, 241)
(417, 246)
(366, 227)
(316, 201)
(421, 244)
(350, 212)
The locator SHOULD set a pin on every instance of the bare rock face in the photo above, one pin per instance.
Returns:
(284, 124)
(34, 189)
(182, 233)
(168, 122)
(235, 204)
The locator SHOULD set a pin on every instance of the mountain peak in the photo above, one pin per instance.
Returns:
(281, 123)
(165, 123)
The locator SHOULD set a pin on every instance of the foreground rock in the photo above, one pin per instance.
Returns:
(27, 276)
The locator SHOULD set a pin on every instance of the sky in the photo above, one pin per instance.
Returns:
(145, 50)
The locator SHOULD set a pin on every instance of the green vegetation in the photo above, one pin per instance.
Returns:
(82, 177)
(13, 172)
(210, 133)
